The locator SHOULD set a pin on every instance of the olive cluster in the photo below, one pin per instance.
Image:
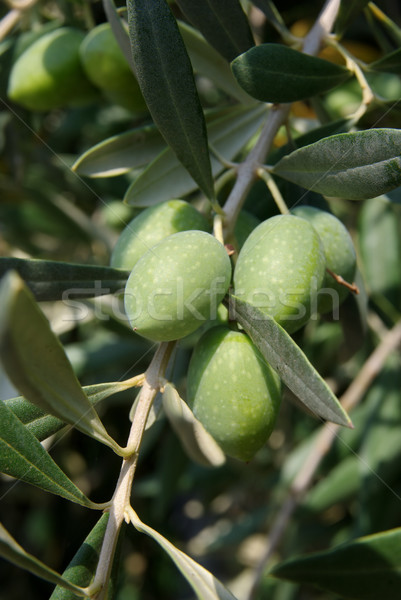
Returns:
(66, 67)
(179, 276)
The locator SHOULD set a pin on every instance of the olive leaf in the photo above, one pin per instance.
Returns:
(286, 357)
(198, 443)
(348, 11)
(364, 569)
(36, 364)
(119, 31)
(23, 457)
(167, 83)
(272, 14)
(43, 425)
(82, 567)
(390, 63)
(121, 153)
(55, 280)
(222, 23)
(342, 483)
(380, 263)
(204, 584)
(277, 73)
(380, 449)
(12, 551)
(359, 165)
(165, 177)
(208, 62)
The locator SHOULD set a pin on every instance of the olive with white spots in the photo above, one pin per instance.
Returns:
(339, 253)
(280, 270)
(153, 225)
(177, 286)
(233, 392)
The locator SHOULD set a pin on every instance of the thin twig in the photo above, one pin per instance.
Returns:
(121, 498)
(247, 171)
(302, 482)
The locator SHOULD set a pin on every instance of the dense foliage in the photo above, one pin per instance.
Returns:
(200, 300)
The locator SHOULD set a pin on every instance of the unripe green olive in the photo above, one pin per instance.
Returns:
(233, 392)
(108, 69)
(49, 73)
(280, 269)
(153, 225)
(339, 253)
(177, 286)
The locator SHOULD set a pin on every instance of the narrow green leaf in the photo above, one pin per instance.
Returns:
(277, 73)
(380, 451)
(121, 153)
(82, 567)
(286, 357)
(342, 483)
(43, 425)
(380, 263)
(119, 31)
(36, 363)
(209, 63)
(12, 551)
(222, 23)
(54, 280)
(23, 457)
(386, 31)
(166, 178)
(365, 569)
(347, 13)
(356, 165)
(390, 63)
(198, 443)
(166, 79)
(314, 135)
(272, 14)
(204, 584)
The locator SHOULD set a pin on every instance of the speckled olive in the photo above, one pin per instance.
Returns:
(233, 391)
(177, 286)
(153, 225)
(280, 269)
(339, 253)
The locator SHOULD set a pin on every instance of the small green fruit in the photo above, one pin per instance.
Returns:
(153, 225)
(107, 68)
(177, 285)
(339, 252)
(49, 73)
(280, 269)
(233, 391)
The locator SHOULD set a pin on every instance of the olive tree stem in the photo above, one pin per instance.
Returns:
(248, 170)
(303, 481)
(121, 497)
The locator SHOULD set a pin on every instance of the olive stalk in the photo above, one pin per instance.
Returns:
(248, 170)
(120, 502)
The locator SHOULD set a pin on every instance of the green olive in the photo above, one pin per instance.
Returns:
(153, 225)
(177, 286)
(108, 69)
(49, 73)
(280, 269)
(339, 253)
(233, 391)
